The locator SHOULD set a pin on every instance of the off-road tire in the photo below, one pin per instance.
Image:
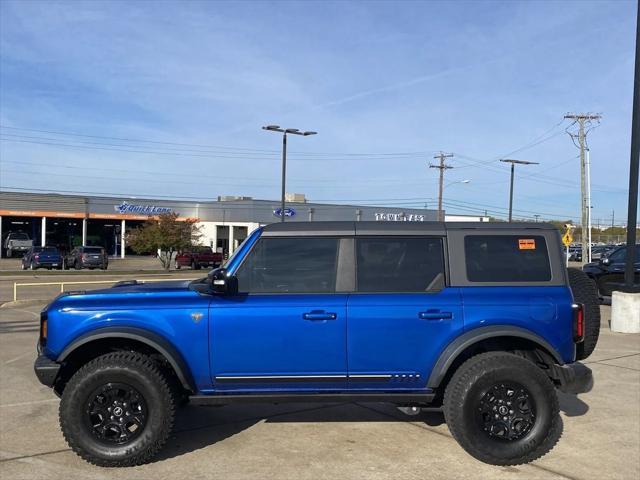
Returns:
(130, 368)
(470, 384)
(585, 292)
(77, 265)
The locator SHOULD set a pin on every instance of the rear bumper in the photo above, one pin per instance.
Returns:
(93, 263)
(573, 378)
(46, 370)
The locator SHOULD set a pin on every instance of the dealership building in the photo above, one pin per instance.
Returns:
(67, 221)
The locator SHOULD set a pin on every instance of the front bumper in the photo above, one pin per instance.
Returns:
(573, 378)
(46, 370)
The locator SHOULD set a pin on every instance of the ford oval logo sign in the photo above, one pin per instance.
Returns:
(288, 212)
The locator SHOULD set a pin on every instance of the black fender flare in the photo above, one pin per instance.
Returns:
(152, 339)
(460, 344)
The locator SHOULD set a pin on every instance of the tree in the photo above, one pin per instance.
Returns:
(166, 234)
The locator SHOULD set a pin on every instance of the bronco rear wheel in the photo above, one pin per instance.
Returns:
(117, 410)
(502, 409)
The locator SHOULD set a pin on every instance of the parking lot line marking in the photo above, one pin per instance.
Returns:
(18, 358)
(613, 358)
(618, 366)
(34, 402)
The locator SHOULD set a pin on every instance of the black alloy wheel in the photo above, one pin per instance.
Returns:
(116, 413)
(506, 411)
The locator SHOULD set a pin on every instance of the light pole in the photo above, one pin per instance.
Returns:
(513, 164)
(285, 131)
(440, 212)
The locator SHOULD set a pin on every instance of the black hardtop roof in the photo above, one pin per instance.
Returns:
(393, 228)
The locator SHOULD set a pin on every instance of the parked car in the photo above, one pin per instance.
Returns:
(601, 251)
(87, 257)
(42, 257)
(575, 253)
(198, 257)
(17, 243)
(417, 315)
(608, 271)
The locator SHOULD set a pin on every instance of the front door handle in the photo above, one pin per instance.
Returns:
(315, 315)
(435, 315)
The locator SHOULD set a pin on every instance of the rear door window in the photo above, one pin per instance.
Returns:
(400, 265)
(507, 258)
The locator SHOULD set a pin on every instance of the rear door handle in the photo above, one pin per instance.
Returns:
(435, 315)
(315, 315)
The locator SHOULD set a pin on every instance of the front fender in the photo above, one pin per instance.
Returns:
(153, 340)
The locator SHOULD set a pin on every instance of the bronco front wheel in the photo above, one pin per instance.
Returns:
(117, 410)
(502, 409)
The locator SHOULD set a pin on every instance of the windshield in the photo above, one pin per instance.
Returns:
(45, 250)
(19, 236)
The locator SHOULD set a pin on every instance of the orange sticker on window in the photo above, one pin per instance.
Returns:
(526, 244)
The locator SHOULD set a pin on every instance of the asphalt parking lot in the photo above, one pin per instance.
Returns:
(301, 441)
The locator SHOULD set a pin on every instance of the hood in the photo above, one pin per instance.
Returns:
(129, 294)
(134, 286)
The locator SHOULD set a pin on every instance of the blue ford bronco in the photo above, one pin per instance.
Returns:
(480, 320)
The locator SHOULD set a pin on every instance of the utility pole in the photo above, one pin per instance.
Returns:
(442, 167)
(537, 216)
(613, 217)
(513, 164)
(583, 119)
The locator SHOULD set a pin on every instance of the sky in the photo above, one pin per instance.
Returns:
(167, 99)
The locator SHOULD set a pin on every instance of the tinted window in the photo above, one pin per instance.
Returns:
(50, 250)
(92, 250)
(399, 264)
(290, 265)
(507, 258)
(18, 236)
(621, 255)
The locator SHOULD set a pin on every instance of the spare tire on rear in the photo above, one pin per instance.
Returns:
(585, 292)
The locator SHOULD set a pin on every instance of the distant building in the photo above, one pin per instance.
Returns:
(67, 221)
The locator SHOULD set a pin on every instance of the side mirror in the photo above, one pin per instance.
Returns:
(221, 281)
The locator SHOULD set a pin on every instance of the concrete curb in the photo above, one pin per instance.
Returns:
(24, 303)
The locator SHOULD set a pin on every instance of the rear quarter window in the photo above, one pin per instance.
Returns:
(507, 258)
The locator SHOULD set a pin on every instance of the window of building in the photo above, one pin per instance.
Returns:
(507, 258)
(399, 264)
(290, 265)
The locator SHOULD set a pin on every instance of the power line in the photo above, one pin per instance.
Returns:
(240, 149)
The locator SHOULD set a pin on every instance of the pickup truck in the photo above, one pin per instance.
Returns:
(198, 257)
(481, 321)
(17, 243)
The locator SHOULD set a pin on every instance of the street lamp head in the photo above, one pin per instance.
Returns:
(274, 128)
(293, 130)
(519, 162)
(309, 133)
(465, 181)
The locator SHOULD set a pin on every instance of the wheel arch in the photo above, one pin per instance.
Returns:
(472, 340)
(127, 337)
